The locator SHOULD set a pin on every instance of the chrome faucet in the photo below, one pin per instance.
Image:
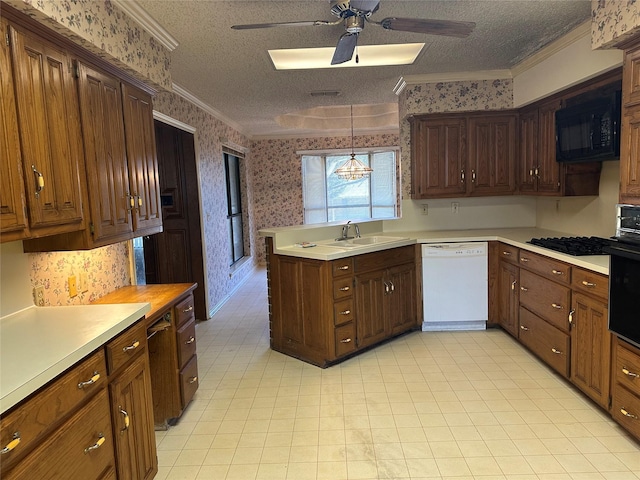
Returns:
(345, 231)
(357, 229)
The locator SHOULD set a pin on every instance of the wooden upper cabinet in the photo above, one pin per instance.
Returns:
(630, 129)
(631, 77)
(548, 170)
(492, 154)
(48, 120)
(528, 151)
(106, 159)
(438, 156)
(13, 208)
(143, 161)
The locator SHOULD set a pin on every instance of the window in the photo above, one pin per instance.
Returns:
(328, 198)
(234, 206)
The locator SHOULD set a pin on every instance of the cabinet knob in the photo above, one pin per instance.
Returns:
(556, 306)
(190, 341)
(345, 312)
(39, 179)
(133, 346)
(345, 289)
(571, 317)
(624, 412)
(557, 272)
(524, 259)
(556, 351)
(96, 445)
(343, 267)
(588, 284)
(522, 327)
(91, 381)
(629, 373)
(513, 284)
(345, 340)
(193, 379)
(187, 310)
(524, 289)
(506, 254)
(126, 420)
(15, 441)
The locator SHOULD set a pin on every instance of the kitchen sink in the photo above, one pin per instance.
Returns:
(376, 239)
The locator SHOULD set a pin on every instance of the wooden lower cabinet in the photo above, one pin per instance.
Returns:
(508, 279)
(625, 401)
(546, 341)
(132, 417)
(324, 311)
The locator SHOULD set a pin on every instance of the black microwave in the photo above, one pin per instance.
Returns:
(589, 131)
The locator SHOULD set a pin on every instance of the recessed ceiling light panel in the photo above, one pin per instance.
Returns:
(369, 56)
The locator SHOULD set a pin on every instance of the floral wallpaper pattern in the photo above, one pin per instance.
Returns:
(276, 173)
(443, 97)
(99, 26)
(613, 22)
(106, 269)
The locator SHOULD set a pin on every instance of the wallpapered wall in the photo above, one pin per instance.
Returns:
(447, 97)
(613, 21)
(276, 171)
(102, 28)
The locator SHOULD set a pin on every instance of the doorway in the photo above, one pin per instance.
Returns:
(175, 255)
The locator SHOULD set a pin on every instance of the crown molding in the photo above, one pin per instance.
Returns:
(451, 77)
(173, 122)
(324, 133)
(178, 90)
(146, 21)
(554, 47)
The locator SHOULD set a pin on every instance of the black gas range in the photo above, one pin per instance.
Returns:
(576, 246)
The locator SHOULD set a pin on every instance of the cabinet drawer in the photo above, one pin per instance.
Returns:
(62, 454)
(345, 339)
(124, 347)
(189, 380)
(33, 418)
(342, 288)
(625, 409)
(591, 283)
(546, 341)
(342, 267)
(343, 312)
(184, 311)
(385, 259)
(545, 298)
(508, 253)
(186, 342)
(547, 267)
(627, 368)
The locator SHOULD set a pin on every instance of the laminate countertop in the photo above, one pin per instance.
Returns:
(39, 343)
(160, 296)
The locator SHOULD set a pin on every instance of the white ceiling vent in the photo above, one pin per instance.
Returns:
(325, 93)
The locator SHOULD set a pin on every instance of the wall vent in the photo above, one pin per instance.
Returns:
(326, 93)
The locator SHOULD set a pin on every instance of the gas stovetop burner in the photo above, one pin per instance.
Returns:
(576, 246)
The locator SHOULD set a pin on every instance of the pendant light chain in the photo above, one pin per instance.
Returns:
(353, 169)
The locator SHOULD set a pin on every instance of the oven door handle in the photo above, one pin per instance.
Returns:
(624, 251)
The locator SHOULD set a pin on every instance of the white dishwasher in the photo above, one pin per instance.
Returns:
(455, 286)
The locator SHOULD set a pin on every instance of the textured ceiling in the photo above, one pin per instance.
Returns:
(230, 70)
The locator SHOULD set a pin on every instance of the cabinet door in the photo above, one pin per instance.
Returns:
(528, 148)
(508, 297)
(492, 149)
(548, 169)
(105, 157)
(13, 220)
(590, 348)
(630, 156)
(132, 417)
(143, 161)
(438, 157)
(371, 292)
(51, 145)
(401, 299)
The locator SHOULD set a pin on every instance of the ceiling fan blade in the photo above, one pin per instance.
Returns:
(310, 23)
(449, 28)
(344, 49)
(364, 5)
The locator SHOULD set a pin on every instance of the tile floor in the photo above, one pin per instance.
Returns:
(465, 405)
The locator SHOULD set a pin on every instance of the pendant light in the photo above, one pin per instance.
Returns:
(353, 169)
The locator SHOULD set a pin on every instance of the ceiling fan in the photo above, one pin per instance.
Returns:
(354, 14)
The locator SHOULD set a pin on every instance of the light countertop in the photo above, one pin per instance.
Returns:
(517, 237)
(39, 343)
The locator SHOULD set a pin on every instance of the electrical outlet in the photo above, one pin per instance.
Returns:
(73, 288)
(38, 296)
(455, 207)
(425, 209)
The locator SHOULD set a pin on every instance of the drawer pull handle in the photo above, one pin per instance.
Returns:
(96, 445)
(588, 284)
(524, 289)
(506, 254)
(345, 312)
(190, 341)
(91, 381)
(345, 340)
(193, 379)
(556, 306)
(133, 346)
(126, 419)
(524, 259)
(629, 373)
(522, 327)
(556, 351)
(343, 267)
(187, 310)
(12, 444)
(513, 284)
(557, 272)
(345, 289)
(571, 317)
(627, 414)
